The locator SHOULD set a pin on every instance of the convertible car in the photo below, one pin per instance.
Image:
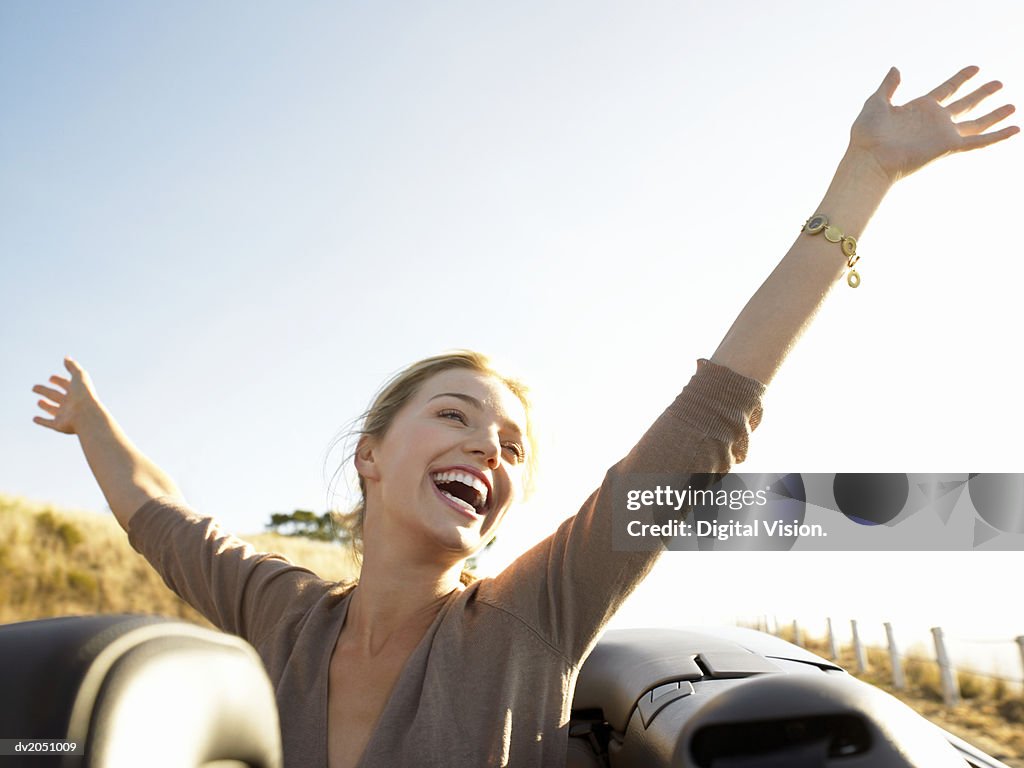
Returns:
(130, 691)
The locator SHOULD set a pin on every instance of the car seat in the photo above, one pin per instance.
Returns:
(136, 691)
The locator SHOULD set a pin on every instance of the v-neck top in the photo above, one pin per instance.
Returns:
(491, 682)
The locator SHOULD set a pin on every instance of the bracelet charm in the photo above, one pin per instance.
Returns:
(818, 223)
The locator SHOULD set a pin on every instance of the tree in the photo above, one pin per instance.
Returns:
(308, 524)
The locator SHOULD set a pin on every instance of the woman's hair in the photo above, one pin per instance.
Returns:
(398, 391)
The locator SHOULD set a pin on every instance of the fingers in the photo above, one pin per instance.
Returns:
(951, 86)
(973, 127)
(973, 99)
(53, 394)
(984, 139)
(973, 131)
(50, 408)
(48, 423)
(57, 395)
(889, 84)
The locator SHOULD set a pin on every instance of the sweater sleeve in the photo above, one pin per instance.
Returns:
(240, 590)
(568, 586)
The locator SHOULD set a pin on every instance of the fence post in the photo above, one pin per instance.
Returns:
(833, 654)
(950, 689)
(1020, 644)
(796, 633)
(858, 649)
(894, 659)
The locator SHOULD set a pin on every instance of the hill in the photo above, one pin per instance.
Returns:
(57, 562)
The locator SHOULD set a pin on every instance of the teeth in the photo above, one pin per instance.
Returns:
(466, 479)
(461, 503)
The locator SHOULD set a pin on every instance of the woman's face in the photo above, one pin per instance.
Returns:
(450, 465)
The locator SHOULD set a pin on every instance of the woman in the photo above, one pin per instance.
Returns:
(413, 667)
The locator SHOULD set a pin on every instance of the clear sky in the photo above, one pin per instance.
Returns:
(242, 218)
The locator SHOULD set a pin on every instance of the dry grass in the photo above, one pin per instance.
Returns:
(63, 563)
(989, 716)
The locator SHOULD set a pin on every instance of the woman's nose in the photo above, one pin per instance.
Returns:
(486, 445)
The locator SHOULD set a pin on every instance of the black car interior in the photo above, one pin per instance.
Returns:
(141, 690)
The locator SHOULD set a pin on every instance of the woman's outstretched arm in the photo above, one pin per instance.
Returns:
(886, 144)
(127, 478)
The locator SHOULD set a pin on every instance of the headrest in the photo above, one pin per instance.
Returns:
(138, 690)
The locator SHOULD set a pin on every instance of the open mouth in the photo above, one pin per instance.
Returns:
(465, 490)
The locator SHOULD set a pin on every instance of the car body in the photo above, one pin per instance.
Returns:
(142, 690)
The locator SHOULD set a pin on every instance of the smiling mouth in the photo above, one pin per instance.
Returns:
(465, 490)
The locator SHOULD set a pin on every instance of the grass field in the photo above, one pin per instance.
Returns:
(990, 715)
(66, 563)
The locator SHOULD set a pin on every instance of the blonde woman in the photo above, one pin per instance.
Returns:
(416, 665)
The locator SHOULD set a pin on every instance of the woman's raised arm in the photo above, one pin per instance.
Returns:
(127, 478)
(886, 144)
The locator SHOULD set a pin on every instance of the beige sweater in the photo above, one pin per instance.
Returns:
(491, 683)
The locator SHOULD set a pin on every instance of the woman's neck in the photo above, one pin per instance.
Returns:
(392, 601)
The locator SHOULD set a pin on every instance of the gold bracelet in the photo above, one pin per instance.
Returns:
(819, 223)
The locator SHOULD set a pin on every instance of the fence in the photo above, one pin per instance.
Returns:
(952, 678)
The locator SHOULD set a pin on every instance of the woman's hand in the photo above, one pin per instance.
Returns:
(127, 478)
(71, 403)
(899, 140)
(886, 143)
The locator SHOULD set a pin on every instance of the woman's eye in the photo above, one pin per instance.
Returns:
(517, 451)
(451, 413)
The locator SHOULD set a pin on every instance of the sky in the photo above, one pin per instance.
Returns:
(242, 219)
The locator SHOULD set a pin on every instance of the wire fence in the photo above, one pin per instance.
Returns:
(936, 667)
